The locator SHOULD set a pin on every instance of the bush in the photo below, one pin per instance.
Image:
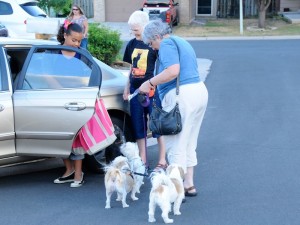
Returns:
(104, 43)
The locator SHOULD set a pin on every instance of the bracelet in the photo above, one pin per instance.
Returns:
(150, 83)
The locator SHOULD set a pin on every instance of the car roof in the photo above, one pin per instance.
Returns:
(21, 1)
(18, 41)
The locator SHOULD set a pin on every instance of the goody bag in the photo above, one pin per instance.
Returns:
(165, 123)
(97, 133)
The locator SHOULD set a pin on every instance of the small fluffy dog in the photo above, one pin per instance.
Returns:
(119, 179)
(137, 166)
(167, 188)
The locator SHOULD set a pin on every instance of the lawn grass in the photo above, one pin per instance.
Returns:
(231, 27)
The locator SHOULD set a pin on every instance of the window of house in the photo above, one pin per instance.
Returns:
(204, 7)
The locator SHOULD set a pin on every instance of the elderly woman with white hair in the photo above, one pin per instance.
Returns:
(142, 60)
(178, 58)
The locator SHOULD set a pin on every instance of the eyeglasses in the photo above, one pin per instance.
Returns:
(75, 9)
(150, 44)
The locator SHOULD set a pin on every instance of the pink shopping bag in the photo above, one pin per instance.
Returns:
(96, 134)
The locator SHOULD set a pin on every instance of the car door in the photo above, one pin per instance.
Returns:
(7, 134)
(54, 97)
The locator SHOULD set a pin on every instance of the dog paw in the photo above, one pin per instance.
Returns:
(177, 213)
(107, 206)
(125, 206)
(151, 220)
(135, 198)
(168, 220)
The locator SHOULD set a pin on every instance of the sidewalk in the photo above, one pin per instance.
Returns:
(124, 30)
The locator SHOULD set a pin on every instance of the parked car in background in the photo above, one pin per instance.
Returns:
(167, 10)
(14, 14)
(3, 31)
(46, 98)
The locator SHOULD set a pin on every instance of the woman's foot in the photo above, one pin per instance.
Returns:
(65, 179)
(190, 192)
(77, 183)
(160, 166)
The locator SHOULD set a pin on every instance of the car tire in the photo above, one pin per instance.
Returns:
(94, 163)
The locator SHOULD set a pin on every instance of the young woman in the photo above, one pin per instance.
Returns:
(77, 16)
(70, 34)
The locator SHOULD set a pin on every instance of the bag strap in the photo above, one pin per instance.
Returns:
(178, 77)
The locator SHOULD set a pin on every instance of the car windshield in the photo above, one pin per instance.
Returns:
(32, 9)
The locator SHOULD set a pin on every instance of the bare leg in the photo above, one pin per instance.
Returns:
(69, 167)
(142, 148)
(162, 151)
(78, 170)
(189, 179)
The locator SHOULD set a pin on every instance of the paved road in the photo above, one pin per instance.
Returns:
(248, 152)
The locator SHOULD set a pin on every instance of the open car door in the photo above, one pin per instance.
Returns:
(54, 97)
(7, 134)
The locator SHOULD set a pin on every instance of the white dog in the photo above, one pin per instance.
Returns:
(167, 188)
(119, 179)
(131, 151)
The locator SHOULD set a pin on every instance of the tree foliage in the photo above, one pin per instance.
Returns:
(262, 5)
(59, 6)
(104, 43)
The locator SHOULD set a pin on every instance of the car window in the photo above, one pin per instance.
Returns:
(5, 8)
(32, 9)
(3, 73)
(158, 1)
(48, 70)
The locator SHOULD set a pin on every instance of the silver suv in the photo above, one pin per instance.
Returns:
(46, 98)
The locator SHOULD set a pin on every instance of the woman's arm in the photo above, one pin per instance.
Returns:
(166, 75)
(86, 28)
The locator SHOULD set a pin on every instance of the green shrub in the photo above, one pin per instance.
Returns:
(104, 43)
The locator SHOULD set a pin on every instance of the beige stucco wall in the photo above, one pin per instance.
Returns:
(99, 11)
(293, 5)
(119, 11)
(185, 11)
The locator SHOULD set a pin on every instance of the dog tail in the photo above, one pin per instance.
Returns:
(113, 174)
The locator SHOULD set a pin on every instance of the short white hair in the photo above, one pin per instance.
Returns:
(139, 18)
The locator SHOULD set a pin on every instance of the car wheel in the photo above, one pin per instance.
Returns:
(123, 131)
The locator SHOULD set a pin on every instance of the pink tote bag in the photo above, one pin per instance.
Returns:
(96, 134)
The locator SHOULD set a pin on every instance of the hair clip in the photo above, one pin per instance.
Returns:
(66, 24)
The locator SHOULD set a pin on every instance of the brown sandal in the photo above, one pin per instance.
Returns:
(190, 194)
(161, 166)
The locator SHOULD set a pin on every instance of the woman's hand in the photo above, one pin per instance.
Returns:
(145, 87)
(126, 93)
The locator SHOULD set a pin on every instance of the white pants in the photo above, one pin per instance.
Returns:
(181, 148)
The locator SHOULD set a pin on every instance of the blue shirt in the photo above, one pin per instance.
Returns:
(168, 56)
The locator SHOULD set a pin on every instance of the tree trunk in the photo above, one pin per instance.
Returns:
(262, 19)
(262, 8)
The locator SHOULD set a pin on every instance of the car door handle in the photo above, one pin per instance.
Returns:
(2, 108)
(75, 106)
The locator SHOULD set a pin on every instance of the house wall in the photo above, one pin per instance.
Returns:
(99, 11)
(293, 5)
(119, 11)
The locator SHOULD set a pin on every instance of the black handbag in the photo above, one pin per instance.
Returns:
(162, 122)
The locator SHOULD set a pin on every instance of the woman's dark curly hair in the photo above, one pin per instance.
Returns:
(70, 27)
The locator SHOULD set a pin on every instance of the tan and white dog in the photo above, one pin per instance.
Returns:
(167, 188)
(119, 179)
(137, 166)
